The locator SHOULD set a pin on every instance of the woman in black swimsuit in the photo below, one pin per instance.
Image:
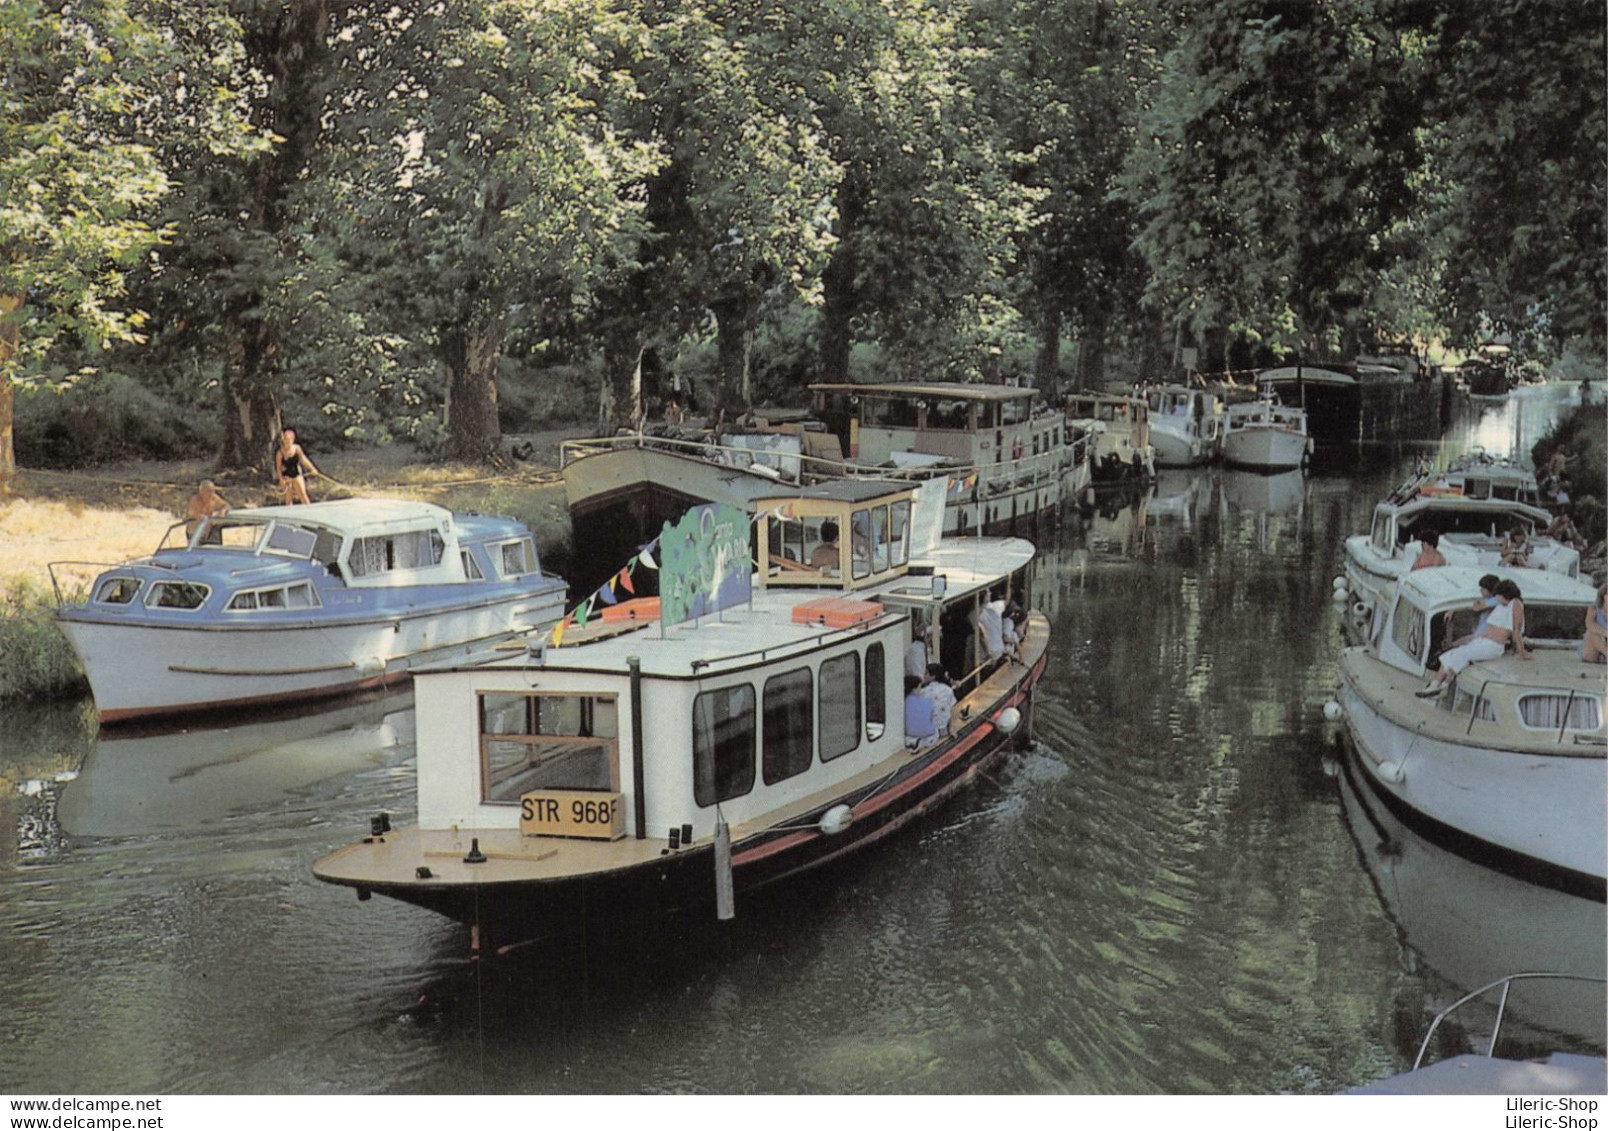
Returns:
(291, 465)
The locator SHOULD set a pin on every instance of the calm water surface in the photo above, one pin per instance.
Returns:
(1176, 889)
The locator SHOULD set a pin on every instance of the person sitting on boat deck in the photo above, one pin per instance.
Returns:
(1506, 624)
(825, 556)
(205, 503)
(1563, 530)
(919, 728)
(1516, 549)
(1595, 648)
(1483, 605)
(674, 414)
(936, 690)
(1429, 555)
(291, 464)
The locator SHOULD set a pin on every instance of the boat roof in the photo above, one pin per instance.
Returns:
(1103, 398)
(763, 631)
(837, 491)
(952, 389)
(1419, 503)
(1437, 586)
(351, 516)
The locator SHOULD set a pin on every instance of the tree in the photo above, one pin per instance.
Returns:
(481, 168)
(1275, 170)
(85, 90)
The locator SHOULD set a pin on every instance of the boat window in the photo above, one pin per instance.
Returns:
(1409, 630)
(1548, 712)
(298, 596)
(176, 595)
(949, 415)
(231, 535)
(879, 539)
(1471, 702)
(899, 533)
(295, 541)
(388, 553)
(876, 685)
(117, 590)
(863, 547)
(517, 559)
(1015, 411)
(546, 742)
(789, 741)
(471, 568)
(722, 744)
(840, 705)
(1381, 531)
(888, 412)
(327, 547)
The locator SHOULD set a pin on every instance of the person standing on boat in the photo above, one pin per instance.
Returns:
(919, 728)
(917, 653)
(1429, 555)
(291, 465)
(936, 690)
(205, 503)
(1506, 624)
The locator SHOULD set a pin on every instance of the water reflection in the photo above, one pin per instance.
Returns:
(1464, 926)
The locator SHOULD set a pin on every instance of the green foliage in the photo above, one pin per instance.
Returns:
(84, 89)
(104, 418)
(1581, 434)
(35, 659)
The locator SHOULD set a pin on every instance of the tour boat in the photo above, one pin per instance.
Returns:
(1186, 425)
(268, 605)
(1265, 435)
(1122, 451)
(1006, 459)
(1472, 505)
(651, 755)
(1506, 765)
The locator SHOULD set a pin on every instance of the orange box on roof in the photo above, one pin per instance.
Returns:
(836, 612)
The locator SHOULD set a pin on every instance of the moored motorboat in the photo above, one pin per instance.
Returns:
(1186, 425)
(1265, 435)
(634, 763)
(269, 605)
(1472, 505)
(1506, 764)
(1119, 426)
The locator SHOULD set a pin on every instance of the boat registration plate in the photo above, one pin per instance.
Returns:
(569, 812)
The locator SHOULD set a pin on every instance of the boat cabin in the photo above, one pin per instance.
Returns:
(846, 535)
(969, 425)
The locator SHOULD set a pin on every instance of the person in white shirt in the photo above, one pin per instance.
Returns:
(942, 696)
(990, 623)
(916, 655)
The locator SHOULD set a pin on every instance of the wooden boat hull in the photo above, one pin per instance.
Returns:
(512, 911)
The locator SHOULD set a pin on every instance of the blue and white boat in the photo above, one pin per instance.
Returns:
(273, 604)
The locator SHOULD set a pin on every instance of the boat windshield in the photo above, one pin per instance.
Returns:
(291, 540)
(231, 534)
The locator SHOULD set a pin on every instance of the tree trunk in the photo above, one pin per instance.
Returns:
(10, 335)
(734, 339)
(1047, 362)
(470, 351)
(250, 422)
(839, 292)
(621, 394)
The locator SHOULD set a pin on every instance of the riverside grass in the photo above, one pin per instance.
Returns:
(35, 659)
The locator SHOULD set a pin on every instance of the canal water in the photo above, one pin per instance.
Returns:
(1176, 889)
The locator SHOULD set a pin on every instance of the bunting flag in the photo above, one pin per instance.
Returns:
(646, 556)
(582, 611)
(624, 578)
(558, 633)
(606, 594)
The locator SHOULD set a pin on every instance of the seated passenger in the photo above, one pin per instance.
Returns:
(1429, 555)
(1505, 626)
(919, 728)
(825, 556)
(1516, 549)
(936, 690)
(1595, 649)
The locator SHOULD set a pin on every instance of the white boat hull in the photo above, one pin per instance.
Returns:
(1265, 449)
(1543, 808)
(1173, 450)
(206, 666)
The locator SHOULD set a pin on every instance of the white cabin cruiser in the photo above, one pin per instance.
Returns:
(1121, 450)
(635, 764)
(1506, 765)
(1265, 435)
(1472, 506)
(268, 605)
(1186, 425)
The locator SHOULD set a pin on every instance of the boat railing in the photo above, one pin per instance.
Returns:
(1506, 986)
(997, 475)
(1580, 737)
